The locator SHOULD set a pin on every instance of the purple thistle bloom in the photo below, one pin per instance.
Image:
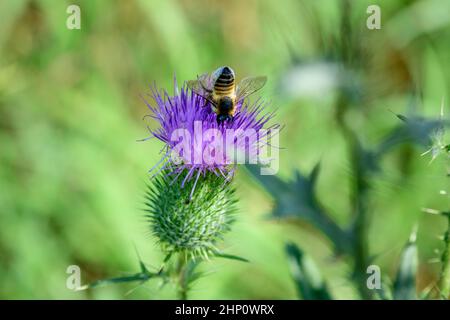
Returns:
(196, 144)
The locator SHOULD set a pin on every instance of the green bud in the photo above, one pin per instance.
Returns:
(188, 220)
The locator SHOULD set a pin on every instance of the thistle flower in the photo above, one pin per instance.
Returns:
(186, 223)
(195, 143)
(199, 155)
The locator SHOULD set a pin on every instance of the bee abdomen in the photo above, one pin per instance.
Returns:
(224, 84)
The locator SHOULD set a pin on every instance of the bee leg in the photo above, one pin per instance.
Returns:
(209, 91)
(221, 118)
(207, 99)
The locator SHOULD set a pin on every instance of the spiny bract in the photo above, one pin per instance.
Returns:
(190, 223)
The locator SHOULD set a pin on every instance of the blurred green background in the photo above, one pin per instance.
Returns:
(72, 173)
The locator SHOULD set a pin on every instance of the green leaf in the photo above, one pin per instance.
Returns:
(229, 256)
(136, 277)
(297, 199)
(405, 282)
(413, 129)
(142, 276)
(307, 276)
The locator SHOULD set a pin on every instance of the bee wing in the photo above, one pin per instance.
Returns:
(202, 86)
(195, 86)
(249, 85)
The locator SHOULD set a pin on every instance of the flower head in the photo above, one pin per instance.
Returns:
(195, 143)
(197, 146)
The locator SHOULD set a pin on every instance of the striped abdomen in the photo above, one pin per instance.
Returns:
(224, 84)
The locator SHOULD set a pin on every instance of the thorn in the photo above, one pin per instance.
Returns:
(392, 112)
(136, 251)
(401, 117)
(134, 289)
(425, 153)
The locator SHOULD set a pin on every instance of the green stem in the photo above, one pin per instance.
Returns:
(360, 227)
(181, 275)
(361, 249)
(444, 278)
(358, 197)
(349, 51)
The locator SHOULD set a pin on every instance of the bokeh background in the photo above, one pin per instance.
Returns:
(73, 173)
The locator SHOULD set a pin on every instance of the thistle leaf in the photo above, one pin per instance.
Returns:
(297, 199)
(413, 129)
(140, 276)
(308, 279)
(229, 256)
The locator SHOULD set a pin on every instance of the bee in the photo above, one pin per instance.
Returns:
(220, 89)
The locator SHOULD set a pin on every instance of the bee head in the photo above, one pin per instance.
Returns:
(221, 118)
